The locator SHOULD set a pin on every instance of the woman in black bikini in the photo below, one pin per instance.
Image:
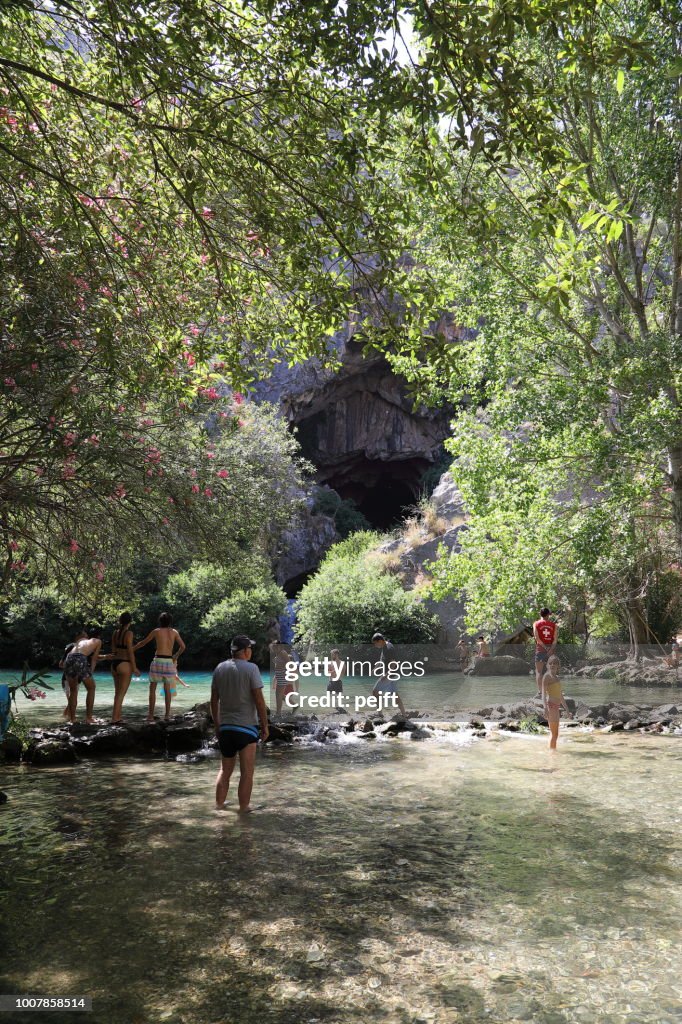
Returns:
(123, 665)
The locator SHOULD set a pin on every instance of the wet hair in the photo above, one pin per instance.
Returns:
(481, 637)
(335, 651)
(125, 619)
(554, 658)
(82, 631)
(544, 612)
(165, 620)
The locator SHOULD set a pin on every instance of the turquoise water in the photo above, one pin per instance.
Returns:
(445, 692)
(391, 882)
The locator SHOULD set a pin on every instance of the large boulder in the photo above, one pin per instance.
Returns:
(505, 665)
(112, 739)
(183, 736)
(11, 748)
(53, 752)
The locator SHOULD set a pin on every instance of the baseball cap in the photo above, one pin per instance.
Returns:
(241, 642)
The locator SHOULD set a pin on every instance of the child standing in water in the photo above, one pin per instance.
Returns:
(553, 699)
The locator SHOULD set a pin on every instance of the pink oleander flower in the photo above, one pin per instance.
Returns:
(34, 367)
(10, 382)
(195, 488)
(209, 393)
(86, 201)
(189, 358)
(203, 259)
(39, 471)
(18, 566)
(74, 546)
(166, 522)
(223, 474)
(194, 330)
(193, 474)
(68, 472)
(119, 492)
(237, 398)
(241, 423)
(13, 545)
(69, 439)
(171, 501)
(207, 213)
(210, 455)
(208, 492)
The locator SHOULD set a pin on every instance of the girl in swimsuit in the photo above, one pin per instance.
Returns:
(123, 666)
(553, 699)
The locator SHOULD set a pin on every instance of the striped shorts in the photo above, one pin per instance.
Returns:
(162, 670)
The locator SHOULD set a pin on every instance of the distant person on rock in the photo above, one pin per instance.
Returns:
(237, 707)
(164, 667)
(482, 648)
(79, 667)
(464, 654)
(336, 671)
(284, 666)
(553, 698)
(544, 632)
(673, 660)
(385, 686)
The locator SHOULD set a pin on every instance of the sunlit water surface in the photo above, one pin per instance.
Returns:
(383, 881)
(440, 693)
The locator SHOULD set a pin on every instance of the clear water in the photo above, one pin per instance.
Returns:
(393, 882)
(439, 693)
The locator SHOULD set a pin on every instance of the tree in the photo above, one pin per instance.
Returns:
(348, 599)
(545, 142)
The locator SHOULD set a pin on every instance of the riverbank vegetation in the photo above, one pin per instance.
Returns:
(490, 196)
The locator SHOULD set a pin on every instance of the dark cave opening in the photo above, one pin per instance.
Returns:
(385, 492)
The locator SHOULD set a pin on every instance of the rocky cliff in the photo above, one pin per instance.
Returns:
(360, 429)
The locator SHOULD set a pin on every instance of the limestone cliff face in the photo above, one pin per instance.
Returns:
(359, 428)
(302, 547)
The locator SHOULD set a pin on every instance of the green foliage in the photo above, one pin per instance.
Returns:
(348, 600)
(244, 611)
(530, 725)
(347, 518)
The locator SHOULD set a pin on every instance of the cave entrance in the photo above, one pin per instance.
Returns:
(385, 492)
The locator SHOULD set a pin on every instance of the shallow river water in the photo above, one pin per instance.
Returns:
(457, 880)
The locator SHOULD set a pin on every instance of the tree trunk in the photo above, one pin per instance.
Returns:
(638, 628)
(675, 478)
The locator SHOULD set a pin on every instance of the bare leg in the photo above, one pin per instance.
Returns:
(553, 731)
(72, 699)
(279, 697)
(539, 672)
(152, 702)
(89, 685)
(247, 763)
(222, 783)
(401, 706)
(167, 696)
(122, 675)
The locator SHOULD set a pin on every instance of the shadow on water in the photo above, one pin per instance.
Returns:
(351, 898)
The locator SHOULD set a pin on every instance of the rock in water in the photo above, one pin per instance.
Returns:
(3, 798)
(53, 752)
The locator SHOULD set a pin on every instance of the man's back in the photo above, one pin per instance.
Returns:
(234, 681)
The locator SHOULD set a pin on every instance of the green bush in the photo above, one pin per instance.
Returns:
(244, 611)
(347, 517)
(348, 600)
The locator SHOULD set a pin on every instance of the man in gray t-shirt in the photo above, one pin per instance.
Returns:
(237, 705)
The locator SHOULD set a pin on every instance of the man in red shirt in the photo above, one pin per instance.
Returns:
(544, 632)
